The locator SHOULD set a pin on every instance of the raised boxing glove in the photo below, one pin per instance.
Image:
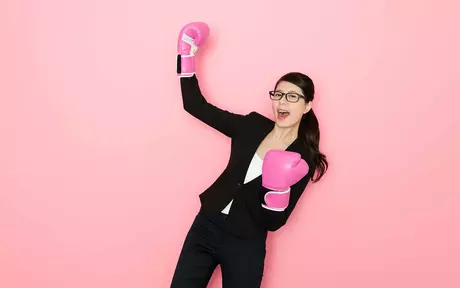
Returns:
(280, 170)
(191, 37)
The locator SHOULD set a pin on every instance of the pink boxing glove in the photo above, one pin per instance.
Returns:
(281, 169)
(191, 36)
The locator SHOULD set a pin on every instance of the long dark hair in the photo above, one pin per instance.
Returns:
(309, 125)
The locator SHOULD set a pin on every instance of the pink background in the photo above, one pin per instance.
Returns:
(93, 136)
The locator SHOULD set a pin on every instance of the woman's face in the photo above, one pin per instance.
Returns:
(292, 105)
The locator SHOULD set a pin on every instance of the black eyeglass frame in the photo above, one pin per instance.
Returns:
(272, 96)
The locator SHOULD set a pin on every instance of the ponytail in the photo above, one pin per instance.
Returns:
(309, 133)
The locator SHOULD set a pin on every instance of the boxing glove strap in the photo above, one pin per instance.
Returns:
(180, 67)
(273, 208)
(179, 62)
(277, 207)
(279, 192)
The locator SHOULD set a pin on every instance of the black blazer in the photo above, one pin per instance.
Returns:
(247, 218)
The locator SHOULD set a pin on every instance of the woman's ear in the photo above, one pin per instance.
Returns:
(307, 107)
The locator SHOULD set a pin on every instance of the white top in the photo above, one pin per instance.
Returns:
(254, 171)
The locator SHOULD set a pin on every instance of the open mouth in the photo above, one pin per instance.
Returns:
(282, 113)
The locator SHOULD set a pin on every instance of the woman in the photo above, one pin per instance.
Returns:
(270, 164)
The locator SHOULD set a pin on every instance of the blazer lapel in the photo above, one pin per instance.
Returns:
(251, 144)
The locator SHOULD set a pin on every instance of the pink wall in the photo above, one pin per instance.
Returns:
(90, 115)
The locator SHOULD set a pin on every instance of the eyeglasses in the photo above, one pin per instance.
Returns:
(290, 96)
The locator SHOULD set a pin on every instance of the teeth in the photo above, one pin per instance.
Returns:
(282, 113)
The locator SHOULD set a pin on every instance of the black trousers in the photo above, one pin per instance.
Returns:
(207, 245)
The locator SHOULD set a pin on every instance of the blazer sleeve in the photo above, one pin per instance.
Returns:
(274, 220)
(196, 104)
